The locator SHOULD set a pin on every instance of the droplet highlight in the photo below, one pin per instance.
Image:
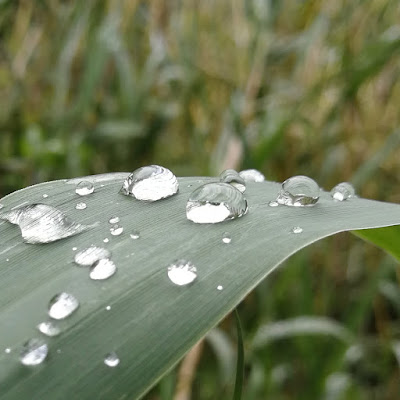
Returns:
(233, 178)
(62, 305)
(135, 235)
(90, 255)
(252, 175)
(299, 191)
(220, 287)
(49, 328)
(33, 352)
(182, 272)
(343, 191)
(81, 206)
(113, 220)
(102, 269)
(111, 359)
(84, 188)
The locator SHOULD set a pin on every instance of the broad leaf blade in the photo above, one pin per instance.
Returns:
(152, 322)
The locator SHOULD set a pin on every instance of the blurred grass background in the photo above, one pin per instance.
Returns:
(288, 87)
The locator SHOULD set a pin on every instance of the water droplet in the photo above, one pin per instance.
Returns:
(116, 230)
(89, 256)
(182, 272)
(62, 305)
(226, 237)
(252, 175)
(84, 188)
(45, 196)
(297, 229)
(74, 249)
(49, 328)
(298, 191)
(343, 191)
(81, 206)
(40, 223)
(102, 269)
(111, 359)
(113, 220)
(220, 287)
(232, 177)
(273, 204)
(150, 183)
(7, 350)
(135, 235)
(108, 308)
(34, 352)
(215, 202)
(106, 240)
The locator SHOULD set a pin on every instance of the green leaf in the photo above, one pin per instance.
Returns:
(237, 394)
(152, 323)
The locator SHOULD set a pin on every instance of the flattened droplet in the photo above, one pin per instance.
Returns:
(215, 202)
(226, 237)
(182, 272)
(62, 305)
(135, 235)
(89, 256)
(45, 196)
(49, 328)
(113, 220)
(343, 191)
(298, 191)
(111, 359)
(297, 229)
(84, 188)
(252, 175)
(102, 269)
(81, 206)
(116, 230)
(232, 177)
(41, 223)
(150, 183)
(34, 352)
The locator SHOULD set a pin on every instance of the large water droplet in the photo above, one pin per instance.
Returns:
(297, 229)
(182, 272)
(49, 328)
(89, 256)
(84, 188)
(111, 359)
(252, 175)
(102, 269)
(81, 206)
(34, 352)
(226, 237)
(343, 191)
(116, 230)
(215, 202)
(41, 223)
(113, 220)
(62, 305)
(298, 191)
(232, 177)
(150, 183)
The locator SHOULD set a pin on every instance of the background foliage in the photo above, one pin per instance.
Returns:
(287, 87)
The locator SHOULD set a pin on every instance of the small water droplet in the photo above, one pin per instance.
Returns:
(150, 183)
(297, 229)
(343, 191)
(41, 223)
(215, 202)
(298, 191)
(190, 185)
(232, 177)
(106, 240)
(226, 237)
(108, 308)
(252, 175)
(102, 269)
(84, 188)
(7, 350)
(74, 249)
(273, 204)
(111, 359)
(45, 196)
(34, 352)
(90, 255)
(7, 259)
(182, 272)
(81, 206)
(116, 230)
(113, 220)
(135, 235)
(62, 305)
(220, 287)
(49, 328)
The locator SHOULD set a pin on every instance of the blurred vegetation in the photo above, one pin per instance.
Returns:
(288, 87)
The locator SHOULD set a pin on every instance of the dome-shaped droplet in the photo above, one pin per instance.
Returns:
(232, 177)
(297, 229)
(150, 183)
(111, 359)
(252, 175)
(84, 188)
(33, 352)
(182, 272)
(215, 202)
(81, 206)
(41, 223)
(49, 328)
(89, 256)
(226, 237)
(220, 287)
(135, 235)
(113, 220)
(62, 305)
(116, 230)
(298, 191)
(102, 269)
(343, 191)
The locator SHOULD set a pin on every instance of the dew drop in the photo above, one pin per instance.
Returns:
(7, 350)
(62, 305)
(116, 230)
(84, 188)
(226, 237)
(215, 202)
(41, 223)
(232, 177)
(111, 359)
(106, 240)
(108, 308)
(102, 269)
(298, 191)
(45, 196)
(89, 256)
(343, 191)
(113, 220)
(297, 229)
(135, 235)
(182, 272)
(220, 287)
(74, 249)
(49, 328)
(150, 183)
(81, 206)
(34, 352)
(273, 203)
(252, 175)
